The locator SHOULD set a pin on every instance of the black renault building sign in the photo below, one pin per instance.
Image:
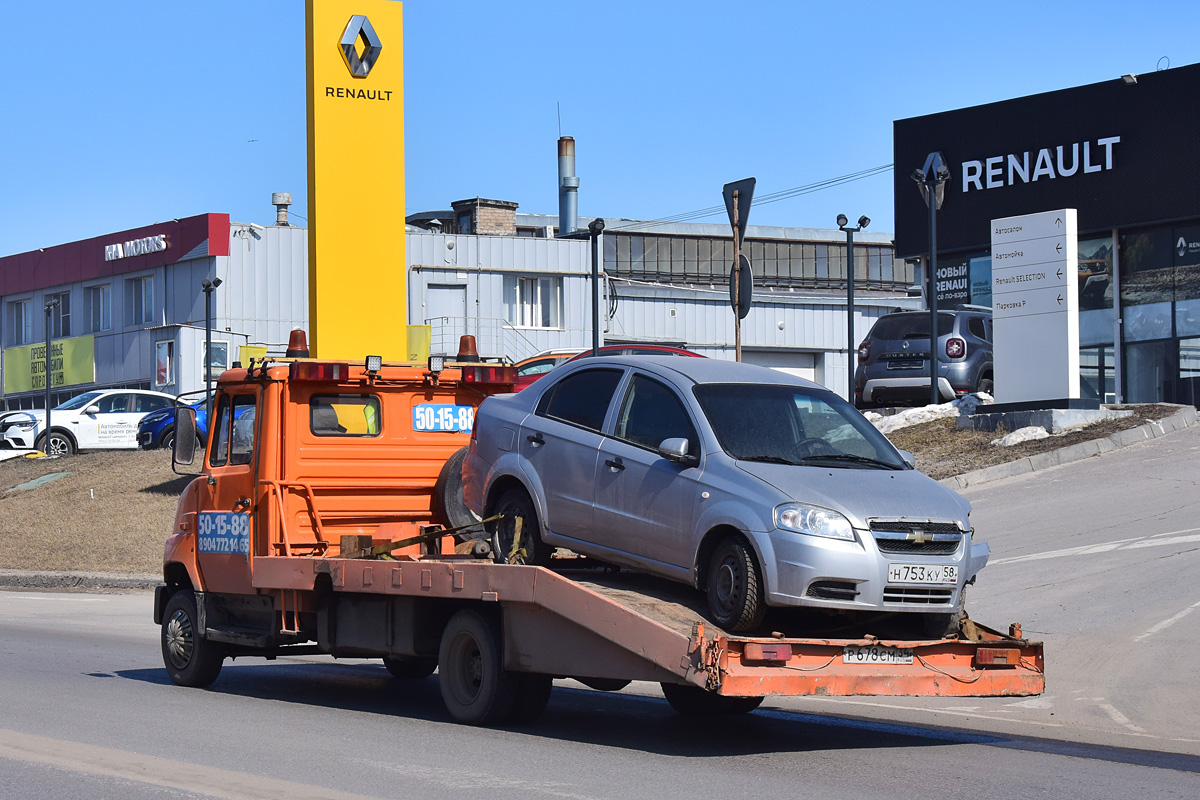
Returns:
(1123, 154)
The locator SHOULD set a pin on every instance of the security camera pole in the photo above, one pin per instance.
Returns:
(208, 287)
(50, 306)
(741, 286)
(595, 228)
(931, 179)
(844, 225)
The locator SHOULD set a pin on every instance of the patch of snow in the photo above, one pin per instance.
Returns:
(916, 416)
(1022, 435)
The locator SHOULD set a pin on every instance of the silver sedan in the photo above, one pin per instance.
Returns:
(757, 487)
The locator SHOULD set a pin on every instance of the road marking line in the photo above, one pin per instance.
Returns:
(166, 772)
(1156, 540)
(1118, 717)
(1166, 623)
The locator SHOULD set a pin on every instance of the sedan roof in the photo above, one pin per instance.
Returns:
(705, 370)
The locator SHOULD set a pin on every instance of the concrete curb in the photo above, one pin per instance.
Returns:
(1183, 418)
(30, 579)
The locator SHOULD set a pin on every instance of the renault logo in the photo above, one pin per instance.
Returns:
(359, 27)
(1181, 247)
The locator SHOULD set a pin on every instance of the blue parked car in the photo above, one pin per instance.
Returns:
(157, 429)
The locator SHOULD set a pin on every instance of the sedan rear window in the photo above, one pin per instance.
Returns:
(582, 398)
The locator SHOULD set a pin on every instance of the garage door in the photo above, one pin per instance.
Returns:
(793, 362)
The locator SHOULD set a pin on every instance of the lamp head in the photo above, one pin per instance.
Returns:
(842, 220)
(596, 225)
(864, 221)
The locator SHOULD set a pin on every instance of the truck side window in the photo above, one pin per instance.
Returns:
(650, 413)
(220, 448)
(581, 399)
(344, 415)
(241, 449)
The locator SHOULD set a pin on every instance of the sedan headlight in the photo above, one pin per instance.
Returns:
(814, 521)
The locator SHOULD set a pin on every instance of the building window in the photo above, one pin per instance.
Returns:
(218, 362)
(20, 322)
(164, 363)
(60, 315)
(139, 300)
(533, 302)
(100, 306)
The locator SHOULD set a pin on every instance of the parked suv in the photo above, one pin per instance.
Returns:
(893, 360)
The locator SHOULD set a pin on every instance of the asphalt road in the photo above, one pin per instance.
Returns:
(1095, 558)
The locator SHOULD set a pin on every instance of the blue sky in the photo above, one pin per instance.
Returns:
(130, 112)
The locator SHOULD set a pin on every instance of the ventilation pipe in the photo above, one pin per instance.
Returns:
(568, 186)
(281, 201)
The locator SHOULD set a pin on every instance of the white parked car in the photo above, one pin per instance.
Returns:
(99, 420)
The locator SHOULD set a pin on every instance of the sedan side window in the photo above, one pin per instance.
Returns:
(651, 412)
(582, 398)
(115, 404)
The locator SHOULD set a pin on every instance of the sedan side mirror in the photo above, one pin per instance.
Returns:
(909, 458)
(676, 450)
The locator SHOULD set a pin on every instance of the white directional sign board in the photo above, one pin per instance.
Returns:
(1035, 307)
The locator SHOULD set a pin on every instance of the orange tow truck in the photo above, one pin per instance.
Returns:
(327, 518)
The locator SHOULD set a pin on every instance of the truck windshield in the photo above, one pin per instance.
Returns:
(793, 425)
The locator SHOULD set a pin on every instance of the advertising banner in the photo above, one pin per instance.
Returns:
(356, 260)
(72, 361)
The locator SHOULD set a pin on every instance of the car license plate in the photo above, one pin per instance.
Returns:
(443, 417)
(908, 363)
(936, 574)
(876, 654)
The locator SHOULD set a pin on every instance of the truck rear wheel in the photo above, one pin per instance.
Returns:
(476, 687)
(410, 669)
(513, 505)
(190, 659)
(692, 701)
(734, 587)
(448, 502)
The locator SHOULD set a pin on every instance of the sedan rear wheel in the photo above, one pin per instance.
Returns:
(515, 536)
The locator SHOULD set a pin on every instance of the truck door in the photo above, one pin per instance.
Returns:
(226, 519)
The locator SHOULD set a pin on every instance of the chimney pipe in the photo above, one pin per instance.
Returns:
(281, 201)
(568, 186)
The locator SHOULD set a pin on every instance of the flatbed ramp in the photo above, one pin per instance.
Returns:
(615, 626)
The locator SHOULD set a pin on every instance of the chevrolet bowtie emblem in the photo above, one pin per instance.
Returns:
(920, 537)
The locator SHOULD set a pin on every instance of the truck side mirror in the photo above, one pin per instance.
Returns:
(183, 451)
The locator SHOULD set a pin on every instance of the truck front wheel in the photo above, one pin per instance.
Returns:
(476, 687)
(692, 701)
(190, 659)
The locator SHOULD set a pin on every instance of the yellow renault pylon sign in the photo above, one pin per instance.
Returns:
(356, 264)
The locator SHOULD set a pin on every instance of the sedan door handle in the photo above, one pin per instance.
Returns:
(615, 464)
(535, 439)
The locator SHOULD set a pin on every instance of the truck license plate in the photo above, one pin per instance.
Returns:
(443, 417)
(876, 654)
(936, 574)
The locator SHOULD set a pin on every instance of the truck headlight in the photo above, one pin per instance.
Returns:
(814, 521)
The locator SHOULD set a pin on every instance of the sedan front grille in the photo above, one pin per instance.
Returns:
(909, 595)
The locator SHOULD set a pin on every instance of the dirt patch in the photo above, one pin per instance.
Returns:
(112, 513)
(943, 451)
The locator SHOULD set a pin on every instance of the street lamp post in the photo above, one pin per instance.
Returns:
(50, 306)
(594, 228)
(208, 287)
(844, 225)
(931, 179)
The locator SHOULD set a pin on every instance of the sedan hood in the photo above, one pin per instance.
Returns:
(861, 494)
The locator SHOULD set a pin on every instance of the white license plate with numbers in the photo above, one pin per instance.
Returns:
(876, 654)
(927, 574)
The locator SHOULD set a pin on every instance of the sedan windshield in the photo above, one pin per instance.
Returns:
(793, 425)
(78, 402)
